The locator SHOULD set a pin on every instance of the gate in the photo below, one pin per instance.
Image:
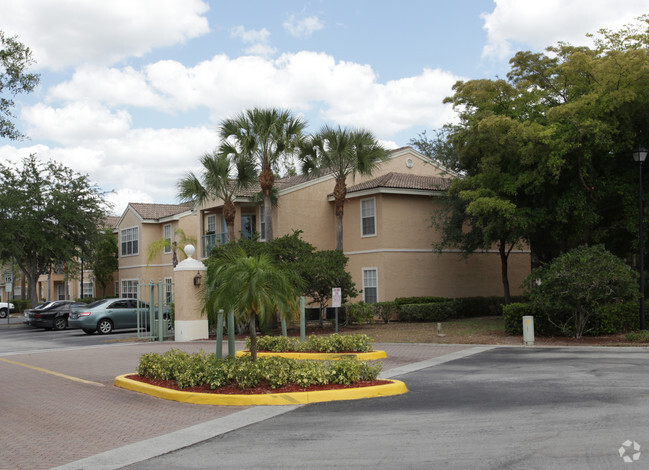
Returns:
(153, 315)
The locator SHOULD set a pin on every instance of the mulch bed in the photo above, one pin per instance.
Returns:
(259, 390)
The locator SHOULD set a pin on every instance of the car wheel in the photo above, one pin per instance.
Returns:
(104, 326)
(60, 323)
(88, 332)
(3, 313)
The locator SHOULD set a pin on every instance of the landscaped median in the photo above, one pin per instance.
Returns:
(393, 387)
(207, 379)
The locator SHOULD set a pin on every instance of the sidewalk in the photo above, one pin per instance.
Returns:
(51, 420)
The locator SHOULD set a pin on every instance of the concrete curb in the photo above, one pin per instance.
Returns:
(395, 387)
(361, 356)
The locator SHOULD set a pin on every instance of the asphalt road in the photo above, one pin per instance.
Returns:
(506, 408)
(18, 338)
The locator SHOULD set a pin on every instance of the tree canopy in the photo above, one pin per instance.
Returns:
(266, 138)
(546, 153)
(15, 59)
(47, 213)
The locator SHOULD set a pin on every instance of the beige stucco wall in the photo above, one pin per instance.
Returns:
(135, 267)
(307, 209)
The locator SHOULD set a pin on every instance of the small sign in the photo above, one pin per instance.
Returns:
(8, 287)
(9, 278)
(336, 297)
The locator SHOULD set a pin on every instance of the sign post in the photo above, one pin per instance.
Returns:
(336, 298)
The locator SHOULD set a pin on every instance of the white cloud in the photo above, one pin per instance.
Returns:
(302, 27)
(142, 165)
(537, 25)
(75, 123)
(258, 40)
(348, 93)
(73, 32)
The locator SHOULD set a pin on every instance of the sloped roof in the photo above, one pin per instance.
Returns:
(280, 184)
(159, 211)
(111, 221)
(402, 181)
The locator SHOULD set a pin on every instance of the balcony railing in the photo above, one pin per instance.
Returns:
(212, 240)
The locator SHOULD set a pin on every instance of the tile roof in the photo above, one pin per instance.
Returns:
(111, 221)
(402, 181)
(159, 211)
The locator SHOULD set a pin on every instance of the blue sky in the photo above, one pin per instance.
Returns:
(132, 91)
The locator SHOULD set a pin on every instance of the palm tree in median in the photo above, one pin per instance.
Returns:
(253, 287)
(221, 178)
(266, 138)
(342, 152)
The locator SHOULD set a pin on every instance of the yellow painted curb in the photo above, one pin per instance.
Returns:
(395, 387)
(363, 356)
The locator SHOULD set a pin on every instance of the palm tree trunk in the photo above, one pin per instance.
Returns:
(268, 216)
(266, 181)
(253, 336)
(339, 232)
(340, 192)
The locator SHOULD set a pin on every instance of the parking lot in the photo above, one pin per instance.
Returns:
(60, 405)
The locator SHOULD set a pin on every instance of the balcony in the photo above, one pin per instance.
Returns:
(212, 240)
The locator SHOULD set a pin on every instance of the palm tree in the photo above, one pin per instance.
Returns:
(265, 137)
(156, 247)
(216, 183)
(253, 287)
(342, 152)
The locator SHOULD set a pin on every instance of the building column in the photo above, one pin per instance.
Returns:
(189, 324)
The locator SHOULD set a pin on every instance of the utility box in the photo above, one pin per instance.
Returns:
(528, 331)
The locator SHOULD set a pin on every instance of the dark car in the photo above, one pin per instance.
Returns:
(104, 316)
(52, 315)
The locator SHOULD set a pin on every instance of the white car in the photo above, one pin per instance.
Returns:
(5, 309)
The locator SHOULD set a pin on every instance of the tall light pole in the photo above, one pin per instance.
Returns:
(639, 155)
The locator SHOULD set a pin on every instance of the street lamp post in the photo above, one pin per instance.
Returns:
(639, 155)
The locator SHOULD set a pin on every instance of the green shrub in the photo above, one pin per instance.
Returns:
(615, 318)
(350, 371)
(608, 320)
(514, 313)
(430, 312)
(385, 310)
(21, 305)
(641, 336)
(190, 370)
(576, 286)
(419, 300)
(360, 313)
(334, 343)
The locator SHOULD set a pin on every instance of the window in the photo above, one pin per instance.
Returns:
(248, 226)
(129, 289)
(368, 217)
(262, 223)
(167, 236)
(169, 290)
(211, 224)
(60, 292)
(116, 288)
(130, 241)
(370, 286)
(88, 289)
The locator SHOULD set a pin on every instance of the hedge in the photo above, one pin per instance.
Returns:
(334, 343)
(614, 318)
(191, 370)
